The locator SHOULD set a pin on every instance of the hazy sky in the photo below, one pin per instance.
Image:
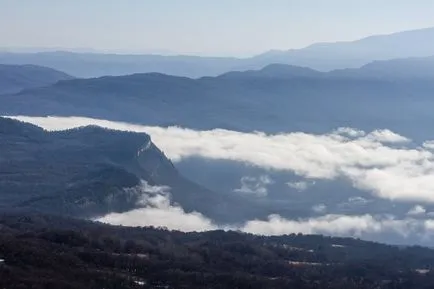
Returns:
(217, 27)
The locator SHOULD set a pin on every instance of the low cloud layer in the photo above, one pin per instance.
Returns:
(366, 226)
(158, 211)
(319, 209)
(256, 186)
(301, 185)
(378, 162)
(354, 202)
(417, 210)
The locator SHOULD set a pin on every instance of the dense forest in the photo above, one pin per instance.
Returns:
(39, 251)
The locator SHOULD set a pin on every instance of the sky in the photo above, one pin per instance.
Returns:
(202, 27)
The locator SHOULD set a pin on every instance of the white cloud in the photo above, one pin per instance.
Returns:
(364, 226)
(319, 209)
(386, 136)
(145, 189)
(339, 225)
(300, 186)
(429, 144)
(158, 211)
(367, 160)
(171, 217)
(354, 201)
(255, 186)
(417, 210)
(357, 201)
(350, 132)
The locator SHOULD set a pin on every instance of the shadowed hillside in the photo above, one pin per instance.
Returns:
(85, 172)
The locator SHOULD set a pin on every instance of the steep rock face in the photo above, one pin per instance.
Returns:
(80, 172)
(153, 166)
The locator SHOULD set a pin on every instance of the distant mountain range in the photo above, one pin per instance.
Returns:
(14, 78)
(320, 56)
(416, 68)
(353, 54)
(274, 99)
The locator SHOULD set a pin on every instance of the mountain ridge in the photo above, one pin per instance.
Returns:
(356, 53)
(14, 78)
(319, 56)
(236, 103)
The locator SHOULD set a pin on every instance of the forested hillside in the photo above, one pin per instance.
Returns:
(54, 252)
(89, 172)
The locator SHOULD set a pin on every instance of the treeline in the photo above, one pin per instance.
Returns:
(55, 252)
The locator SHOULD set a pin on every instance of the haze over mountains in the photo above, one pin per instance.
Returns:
(352, 54)
(321, 56)
(169, 144)
(14, 78)
(333, 139)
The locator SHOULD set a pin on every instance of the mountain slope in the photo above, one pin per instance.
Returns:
(399, 69)
(54, 252)
(352, 54)
(275, 70)
(312, 102)
(14, 78)
(85, 172)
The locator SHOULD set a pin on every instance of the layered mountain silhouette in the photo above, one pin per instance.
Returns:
(320, 56)
(95, 64)
(352, 54)
(14, 78)
(274, 99)
(415, 68)
(397, 69)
